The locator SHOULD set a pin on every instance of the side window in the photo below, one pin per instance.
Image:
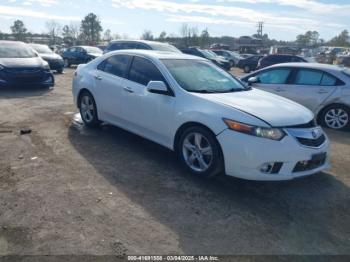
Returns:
(328, 80)
(308, 77)
(115, 46)
(275, 76)
(143, 71)
(296, 59)
(115, 65)
(72, 50)
(142, 46)
(129, 46)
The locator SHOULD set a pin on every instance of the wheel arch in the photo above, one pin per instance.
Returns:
(79, 95)
(186, 125)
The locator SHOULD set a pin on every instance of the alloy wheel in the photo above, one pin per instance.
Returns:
(336, 118)
(197, 152)
(87, 109)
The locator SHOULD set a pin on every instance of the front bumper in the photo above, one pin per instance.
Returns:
(56, 64)
(244, 155)
(46, 79)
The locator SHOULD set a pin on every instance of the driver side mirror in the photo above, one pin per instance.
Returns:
(157, 87)
(253, 80)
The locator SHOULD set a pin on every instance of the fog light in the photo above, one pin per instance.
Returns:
(271, 168)
(266, 168)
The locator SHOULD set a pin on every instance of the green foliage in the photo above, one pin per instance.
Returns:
(90, 29)
(147, 35)
(309, 39)
(342, 40)
(19, 30)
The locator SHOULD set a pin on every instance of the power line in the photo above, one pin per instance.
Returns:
(260, 27)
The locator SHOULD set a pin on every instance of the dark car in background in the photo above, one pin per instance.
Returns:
(55, 61)
(140, 44)
(77, 55)
(221, 62)
(21, 66)
(249, 63)
(279, 59)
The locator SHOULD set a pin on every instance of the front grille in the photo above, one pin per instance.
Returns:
(307, 125)
(312, 142)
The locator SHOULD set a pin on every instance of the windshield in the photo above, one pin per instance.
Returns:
(208, 55)
(202, 76)
(13, 50)
(42, 49)
(93, 50)
(167, 48)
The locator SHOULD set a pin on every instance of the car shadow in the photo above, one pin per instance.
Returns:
(222, 215)
(20, 92)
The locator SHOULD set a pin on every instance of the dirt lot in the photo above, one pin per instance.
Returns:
(65, 189)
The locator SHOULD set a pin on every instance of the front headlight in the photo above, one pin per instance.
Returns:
(264, 132)
(46, 66)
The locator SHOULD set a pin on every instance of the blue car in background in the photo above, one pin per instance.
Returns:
(21, 66)
(77, 55)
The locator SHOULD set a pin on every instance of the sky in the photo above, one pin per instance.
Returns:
(283, 19)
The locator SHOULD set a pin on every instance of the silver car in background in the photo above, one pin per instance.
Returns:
(324, 89)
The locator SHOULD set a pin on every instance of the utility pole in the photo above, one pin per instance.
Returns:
(260, 26)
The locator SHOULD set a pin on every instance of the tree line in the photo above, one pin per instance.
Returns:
(90, 32)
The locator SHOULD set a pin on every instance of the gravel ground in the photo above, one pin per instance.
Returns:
(65, 189)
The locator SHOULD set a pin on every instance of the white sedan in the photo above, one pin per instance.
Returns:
(210, 119)
(324, 89)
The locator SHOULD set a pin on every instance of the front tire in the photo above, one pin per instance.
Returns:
(336, 117)
(88, 109)
(200, 152)
(66, 63)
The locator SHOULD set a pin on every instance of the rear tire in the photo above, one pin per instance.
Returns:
(246, 69)
(88, 109)
(200, 152)
(336, 117)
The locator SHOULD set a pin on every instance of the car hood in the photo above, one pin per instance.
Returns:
(50, 56)
(21, 62)
(275, 110)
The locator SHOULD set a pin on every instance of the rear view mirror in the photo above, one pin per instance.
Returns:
(157, 87)
(253, 80)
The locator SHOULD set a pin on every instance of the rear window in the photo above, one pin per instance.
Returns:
(166, 48)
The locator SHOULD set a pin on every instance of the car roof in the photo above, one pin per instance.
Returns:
(139, 41)
(310, 66)
(11, 42)
(152, 54)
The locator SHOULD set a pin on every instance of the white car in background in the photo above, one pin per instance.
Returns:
(210, 119)
(324, 89)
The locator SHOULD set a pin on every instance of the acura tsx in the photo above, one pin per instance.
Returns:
(211, 120)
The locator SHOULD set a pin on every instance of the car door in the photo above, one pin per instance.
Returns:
(273, 80)
(147, 114)
(109, 80)
(80, 55)
(310, 87)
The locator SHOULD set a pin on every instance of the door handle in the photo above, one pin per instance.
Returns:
(278, 89)
(98, 77)
(128, 89)
(322, 91)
